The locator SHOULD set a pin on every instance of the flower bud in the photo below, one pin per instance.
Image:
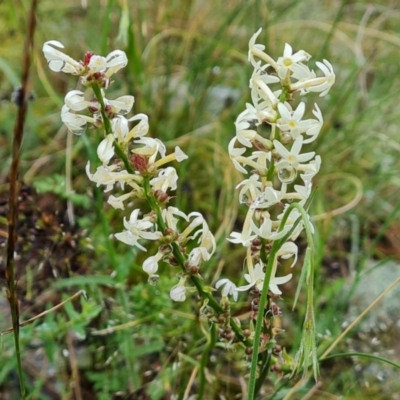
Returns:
(277, 349)
(161, 196)
(178, 293)
(173, 261)
(87, 57)
(139, 163)
(194, 270)
(276, 368)
(170, 235)
(221, 319)
(94, 106)
(150, 265)
(247, 333)
(109, 111)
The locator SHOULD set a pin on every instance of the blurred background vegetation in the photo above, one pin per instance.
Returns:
(189, 73)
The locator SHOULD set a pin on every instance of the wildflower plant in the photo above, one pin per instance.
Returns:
(267, 148)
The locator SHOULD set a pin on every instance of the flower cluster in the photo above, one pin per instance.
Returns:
(270, 134)
(136, 163)
(267, 147)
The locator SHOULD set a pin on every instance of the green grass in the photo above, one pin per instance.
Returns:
(179, 52)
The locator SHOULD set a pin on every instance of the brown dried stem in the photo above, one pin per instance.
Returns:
(21, 102)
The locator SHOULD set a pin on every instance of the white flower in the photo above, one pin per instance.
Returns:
(264, 109)
(293, 157)
(245, 238)
(121, 105)
(243, 133)
(246, 124)
(255, 277)
(105, 150)
(75, 100)
(229, 288)
(301, 72)
(275, 281)
(258, 277)
(260, 73)
(235, 154)
(265, 230)
(310, 170)
(260, 161)
(259, 82)
(150, 265)
(258, 85)
(287, 250)
(251, 189)
(303, 192)
(319, 84)
(178, 293)
(140, 129)
(137, 229)
(150, 149)
(257, 160)
(120, 128)
(206, 240)
(106, 175)
(116, 60)
(194, 223)
(97, 63)
(316, 125)
(76, 123)
(258, 51)
(324, 87)
(108, 65)
(169, 214)
(59, 61)
(178, 155)
(166, 178)
(255, 49)
(289, 59)
(118, 202)
(103, 176)
(270, 197)
(290, 121)
(204, 251)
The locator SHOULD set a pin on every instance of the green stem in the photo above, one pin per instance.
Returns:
(263, 372)
(108, 129)
(308, 343)
(99, 97)
(260, 320)
(260, 315)
(367, 355)
(204, 360)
